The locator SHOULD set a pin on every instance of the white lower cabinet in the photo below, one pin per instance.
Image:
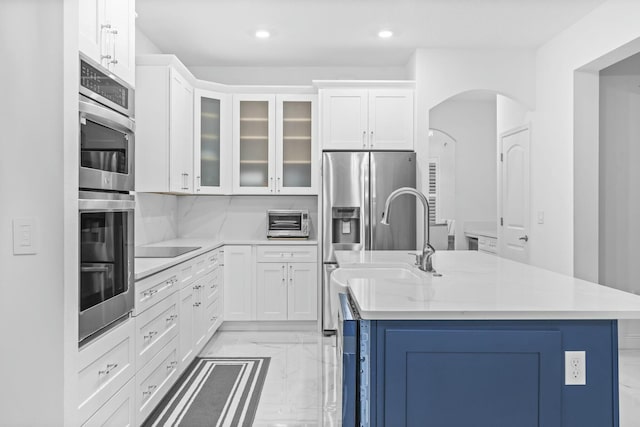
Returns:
(155, 328)
(271, 291)
(105, 366)
(239, 287)
(187, 320)
(155, 379)
(286, 290)
(302, 292)
(119, 411)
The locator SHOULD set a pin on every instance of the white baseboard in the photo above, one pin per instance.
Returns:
(298, 326)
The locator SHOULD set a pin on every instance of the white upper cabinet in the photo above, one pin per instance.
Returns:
(107, 35)
(367, 119)
(296, 146)
(164, 130)
(274, 144)
(254, 144)
(212, 145)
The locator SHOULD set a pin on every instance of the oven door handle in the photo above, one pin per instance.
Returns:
(102, 269)
(105, 205)
(106, 116)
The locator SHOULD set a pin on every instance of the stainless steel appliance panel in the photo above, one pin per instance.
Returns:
(390, 171)
(345, 191)
(106, 148)
(106, 273)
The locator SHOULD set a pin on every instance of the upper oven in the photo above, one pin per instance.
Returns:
(106, 130)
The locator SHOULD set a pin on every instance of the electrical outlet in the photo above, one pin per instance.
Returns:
(575, 368)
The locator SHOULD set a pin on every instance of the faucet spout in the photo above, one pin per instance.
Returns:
(424, 259)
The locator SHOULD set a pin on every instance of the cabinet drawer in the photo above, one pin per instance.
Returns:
(155, 379)
(213, 316)
(153, 289)
(487, 244)
(186, 273)
(155, 328)
(212, 285)
(213, 260)
(119, 411)
(105, 365)
(287, 254)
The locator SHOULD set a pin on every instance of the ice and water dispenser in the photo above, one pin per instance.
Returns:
(346, 225)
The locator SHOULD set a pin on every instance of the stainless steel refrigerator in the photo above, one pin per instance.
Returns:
(355, 186)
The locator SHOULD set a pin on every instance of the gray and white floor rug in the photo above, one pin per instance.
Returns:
(214, 391)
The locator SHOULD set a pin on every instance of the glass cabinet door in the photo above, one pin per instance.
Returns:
(212, 142)
(295, 145)
(209, 142)
(254, 132)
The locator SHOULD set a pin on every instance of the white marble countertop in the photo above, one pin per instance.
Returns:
(477, 286)
(484, 232)
(144, 267)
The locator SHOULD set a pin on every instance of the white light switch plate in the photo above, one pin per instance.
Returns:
(24, 236)
(575, 368)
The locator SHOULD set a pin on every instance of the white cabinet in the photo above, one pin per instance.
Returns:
(187, 326)
(367, 119)
(488, 245)
(302, 292)
(212, 144)
(119, 411)
(107, 35)
(105, 365)
(271, 291)
(239, 288)
(286, 290)
(274, 144)
(164, 130)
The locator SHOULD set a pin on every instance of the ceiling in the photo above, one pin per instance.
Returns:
(344, 32)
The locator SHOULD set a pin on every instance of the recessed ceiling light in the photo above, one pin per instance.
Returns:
(263, 34)
(385, 34)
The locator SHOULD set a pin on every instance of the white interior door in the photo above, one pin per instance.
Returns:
(513, 235)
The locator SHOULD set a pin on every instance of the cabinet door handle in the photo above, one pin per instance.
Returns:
(278, 185)
(103, 45)
(364, 136)
(271, 183)
(371, 141)
(114, 33)
(199, 183)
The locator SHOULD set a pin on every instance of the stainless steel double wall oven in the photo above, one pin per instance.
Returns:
(105, 205)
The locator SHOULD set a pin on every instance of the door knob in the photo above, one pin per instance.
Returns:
(525, 238)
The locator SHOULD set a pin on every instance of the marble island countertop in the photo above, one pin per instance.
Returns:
(477, 286)
(144, 267)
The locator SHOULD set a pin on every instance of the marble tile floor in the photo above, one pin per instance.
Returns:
(300, 388)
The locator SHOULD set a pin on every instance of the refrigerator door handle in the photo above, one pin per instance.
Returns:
(365, 210)
(372, 204)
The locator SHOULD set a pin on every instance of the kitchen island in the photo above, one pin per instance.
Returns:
(485, 344)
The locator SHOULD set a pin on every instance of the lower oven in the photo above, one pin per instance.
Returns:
(106, 275)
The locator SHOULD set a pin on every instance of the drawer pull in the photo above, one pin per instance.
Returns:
(172, 365)
(197, 304)
(108, 369)
(214, 318)
(197, 287)
(150, 335)
(172, 318)
(150, 292)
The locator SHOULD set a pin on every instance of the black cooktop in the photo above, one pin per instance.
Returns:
(163, 251)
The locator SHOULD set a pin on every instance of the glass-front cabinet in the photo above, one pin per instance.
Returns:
(212, 145)
(274, 144)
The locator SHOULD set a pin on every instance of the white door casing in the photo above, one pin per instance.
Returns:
(514, 229)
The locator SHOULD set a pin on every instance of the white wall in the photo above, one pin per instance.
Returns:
(473, 124)
(619, 182)
(443, 73)
(294, 75)
(32, 184)
(620, 175)
(237, 217)
(553, 148)
(144, 45)
(509, 114)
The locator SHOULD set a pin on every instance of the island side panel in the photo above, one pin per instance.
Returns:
(464, 371)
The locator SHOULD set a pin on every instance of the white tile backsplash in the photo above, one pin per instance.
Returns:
(155, 218)
(237, 217)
